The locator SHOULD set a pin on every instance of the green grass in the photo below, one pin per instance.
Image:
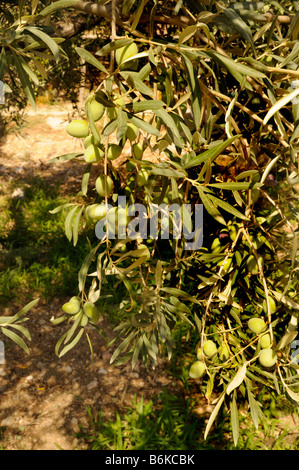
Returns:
(169, 422)
(163, 423)
(35, 255)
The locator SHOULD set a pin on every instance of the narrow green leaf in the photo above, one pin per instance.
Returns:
(73, 343)
(85, 179)
(236, 69)
(246, 174)
(208, 172)
(59, 342)
(21, 4)
(234, 418)
(293, 395)
(134, 265)
(170, 124)
(138, 84)
(40, 68)
(26, 309)
(55, 6)
(88, 57)
(84, 268)
(239, 24)
(2, 63)
(31, 74)
(183, 126)
(269, 167)
(25, 81)
(227, 207)
(137, 348)
(34, 4)
(113, 45)
(123, 346)
(145, 126)
(237, 186)
(187, 33)
(280, 104)
(94, 130)
(195, 91)
(137, 14)
(214, 414)
(254, 409)
(46, 39)
(6, 320)
(68, 225)
(143, 73)
(57, 321)
(147, 105)
(158, 274)
(293, 55)
(181, 100)
(237, 379)
(210, 206)
(76, 226)
(149, 348)
(66, 157)
(126, 7)
(74, 326)
(169, 172)
(287, 338)
(179, 293)
(121, 124)
(109, 128)
(211, 154)
(104, 100)
(15, 338)
(22, 330)
(60, 208)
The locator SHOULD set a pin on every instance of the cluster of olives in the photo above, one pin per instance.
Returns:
(94, 151)
(88, 313)
(208, 352)
(267, 356)
(80, 128)
(229, 234)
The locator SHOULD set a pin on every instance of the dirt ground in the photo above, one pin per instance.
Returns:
(43, 399)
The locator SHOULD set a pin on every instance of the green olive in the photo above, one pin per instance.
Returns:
(114, 151)
(267, 357)
(72, 307)
(93, 154)
(137, 150)
(256, 325)
(132, 132)
(272, 305)
(100, 185)
(265, 341)
(124, 53)
(210, 348)
(97, 110)
(78, 128)
(142, 177)
(197, 370)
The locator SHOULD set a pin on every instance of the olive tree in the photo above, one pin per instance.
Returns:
(193, 136)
